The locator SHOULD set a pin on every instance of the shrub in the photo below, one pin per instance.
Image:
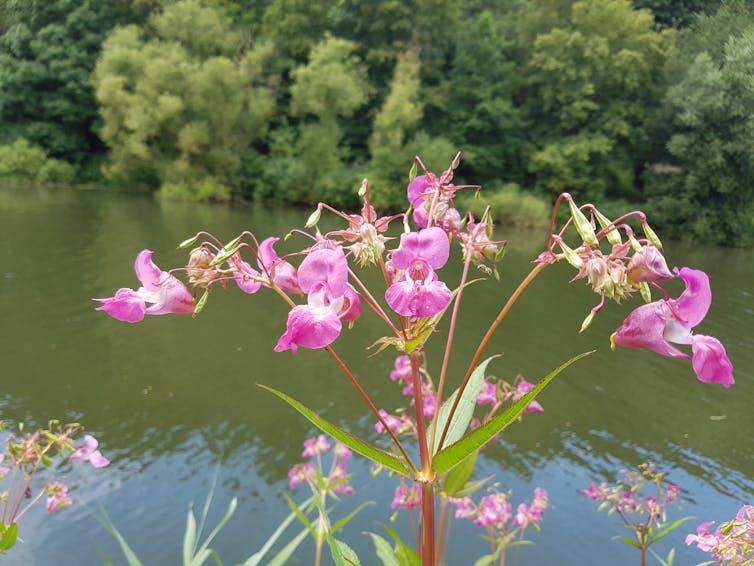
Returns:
(510, 207)
(24, 162)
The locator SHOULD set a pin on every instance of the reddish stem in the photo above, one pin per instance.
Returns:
(485, 340)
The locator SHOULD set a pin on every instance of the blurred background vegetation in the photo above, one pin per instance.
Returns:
(647, 103)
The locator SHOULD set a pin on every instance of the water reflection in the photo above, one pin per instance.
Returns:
(171, 398)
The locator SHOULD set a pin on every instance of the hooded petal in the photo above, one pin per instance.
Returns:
(416, 190)
(430, 245)
(172, 298)
(146, 271)
(645, 328)
(127, 305)
(351, 310)
(695, 301)
(309, 328)
(245, 275)
(420, 216)
(710, 361)
(648, 264)
(324, 266)
(283, 273)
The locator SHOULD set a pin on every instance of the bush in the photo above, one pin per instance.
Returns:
(24, 162)
(510, 207)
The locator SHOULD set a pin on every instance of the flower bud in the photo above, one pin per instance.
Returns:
(582, 224)
(648, 265)
(612, 234)
(650, 234)
(313, 218)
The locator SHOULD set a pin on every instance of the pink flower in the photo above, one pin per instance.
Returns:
(315, 446)
(57, 496)
(658, 325)
(342, 451)
(323, 275)
(419, 293)
(593, 492)
(246, 277)
(488, 395)
(301, 473)
(88, 453)
(406, 497)
(401, 369)
(282, 273)
(648, 264)
(165, 293)
(465, 508)
(494, 511)
(522, 389)
(394, 423)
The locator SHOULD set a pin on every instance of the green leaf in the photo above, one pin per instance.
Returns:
(300, 516)
(629, 541)
(464, 410)
(128, 553)
(345, 520)
(406, 555)
(666, 529)
(204, 551)
(282, 557)
(472, 487)
(489, 559)
(256, 558)
(451, 456)
(8, 540)
(189, 538)
(353, 442)
(384, 551)
(342, 554)
(458, 476)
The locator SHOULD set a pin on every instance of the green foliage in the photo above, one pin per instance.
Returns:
(48, 49)
(23, 162)
(179, 103)
(677, 13)
(712, 196)
(510, 207)
(592, 77)
(483, 118)
(296, 26)
(710, 31)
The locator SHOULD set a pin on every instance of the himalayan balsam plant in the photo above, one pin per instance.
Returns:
(322, 286)
(27, 472)
(640, 499)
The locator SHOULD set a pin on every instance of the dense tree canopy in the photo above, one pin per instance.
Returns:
(297, 101)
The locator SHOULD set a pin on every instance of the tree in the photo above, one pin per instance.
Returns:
(48, 49)
(591, 80)
(180, 104)
(677, 13)
(711, 197)
(482, 116)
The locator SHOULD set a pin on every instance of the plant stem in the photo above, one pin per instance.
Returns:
(448, 349)
(427, 533)
(485, 340)
(371, 406)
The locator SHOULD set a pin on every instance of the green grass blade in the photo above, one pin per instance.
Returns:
(282, 557)
(256, 558)
(300, 516)
(353, 442)
(189, 538)
(128, 553)
(449, 457)
(345, 520)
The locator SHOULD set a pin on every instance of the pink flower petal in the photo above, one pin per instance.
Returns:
(430, 245)
(244, 277)
(645, 328)
(416, 190)
(127, 305)
(695, 301)
(283, 273)
(172, 297)
(309, 328)
(147, 272)
(98, 460)
(324, 266)
(710, 361)
(351, 310)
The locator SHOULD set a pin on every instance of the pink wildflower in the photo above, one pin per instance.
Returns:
(88, 452)
(488, 395)
(648, 265)
(402, 368)
(522, 389)
(406, 497)
(282, 273)
(494, 511)
(342, 451)
(301, 473)
(420, 294)
(658, 325)
(57, 496)
(315, 446)
(465, 508)
(395, 424)
(165, 293)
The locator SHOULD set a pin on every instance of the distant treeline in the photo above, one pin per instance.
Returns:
(648, 102)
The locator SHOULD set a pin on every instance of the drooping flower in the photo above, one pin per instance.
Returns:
(57, 496)
(323, 275)
(282, 273)
(658, 325)
(419, 293)
(88, 452)
(648, 265)
(165, 293)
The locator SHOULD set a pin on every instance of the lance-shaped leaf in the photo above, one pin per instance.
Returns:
(449, 457)
(465, 409)
(456, 479)
(353, 442)
(384, 551)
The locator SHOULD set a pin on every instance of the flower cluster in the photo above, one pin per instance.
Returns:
(635, 265)
(732, 542)
(641, 512)
(28, 455)
(312, 471)
(494, 512)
